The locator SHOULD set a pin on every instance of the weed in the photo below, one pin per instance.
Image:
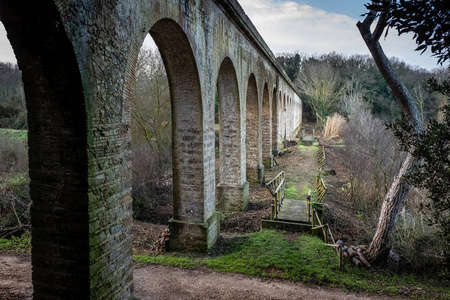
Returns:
(19, 135)
(360, 214)
(17, 244)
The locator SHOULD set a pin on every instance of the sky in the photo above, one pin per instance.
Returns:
(310, 27)
(323, 26)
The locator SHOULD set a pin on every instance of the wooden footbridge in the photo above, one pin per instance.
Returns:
(301, 215)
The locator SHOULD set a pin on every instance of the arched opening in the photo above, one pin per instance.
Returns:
(265, 127)
(190, 208)
(232, 193)
(274, 123)
(58, 150)
(252, 130)
(187, 127)
(151, 139)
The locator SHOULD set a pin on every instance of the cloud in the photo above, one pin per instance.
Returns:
(287, 26)
(6, 51)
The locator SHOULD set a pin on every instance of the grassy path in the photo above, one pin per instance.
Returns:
(300, 167)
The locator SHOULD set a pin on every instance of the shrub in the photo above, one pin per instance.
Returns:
(334, 126)
(151, 180)
(14, 190)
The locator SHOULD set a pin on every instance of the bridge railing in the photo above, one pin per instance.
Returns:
(321, 158)
(327, 234)
(320, 189)
(276, 187)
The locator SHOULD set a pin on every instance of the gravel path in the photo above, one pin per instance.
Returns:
(159, 282)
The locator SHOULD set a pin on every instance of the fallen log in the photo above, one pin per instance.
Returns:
(363, 259)
(161, 243)
(345, 254)
(363, 247)
(356, 262)
(351, 252)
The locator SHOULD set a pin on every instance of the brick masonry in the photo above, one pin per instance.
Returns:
(77, 60)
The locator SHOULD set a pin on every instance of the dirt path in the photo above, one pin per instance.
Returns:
(159, 282)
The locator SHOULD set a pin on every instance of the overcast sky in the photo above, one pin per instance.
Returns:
(310, 27)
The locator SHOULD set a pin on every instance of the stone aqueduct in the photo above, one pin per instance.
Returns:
(77, 59)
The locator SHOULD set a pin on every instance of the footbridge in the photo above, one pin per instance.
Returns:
(78, 59)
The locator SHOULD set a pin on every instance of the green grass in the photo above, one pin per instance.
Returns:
(16, 244)
(303, 149)
(181, 262)
(291, 191)
(17, 134)
(307, 259)
(305, 189)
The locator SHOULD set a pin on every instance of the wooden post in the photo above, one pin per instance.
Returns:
(309, 205)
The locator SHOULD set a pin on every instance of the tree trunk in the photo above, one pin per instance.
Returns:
(395, 197)
(392, 205)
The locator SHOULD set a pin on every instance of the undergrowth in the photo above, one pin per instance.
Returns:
(17, 244)
(14, 133)
(306, 259)
(291, 191)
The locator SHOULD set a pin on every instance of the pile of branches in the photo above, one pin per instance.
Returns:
(6, 233)
(355, 254)
(162, 241)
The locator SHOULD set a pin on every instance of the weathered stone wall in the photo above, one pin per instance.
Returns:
(78, 60)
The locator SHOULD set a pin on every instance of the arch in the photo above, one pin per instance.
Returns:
(58, 150)
(229, 120)
(190, 210)
(252, 130)
(230, 189)
(266, 133)
(274, 122)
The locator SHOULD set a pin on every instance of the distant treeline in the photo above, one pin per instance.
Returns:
(362, 72)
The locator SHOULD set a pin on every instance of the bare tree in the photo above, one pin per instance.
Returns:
(395, 198)
(151, 102)
(151, 127)
(352, 102)
(321, 87)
